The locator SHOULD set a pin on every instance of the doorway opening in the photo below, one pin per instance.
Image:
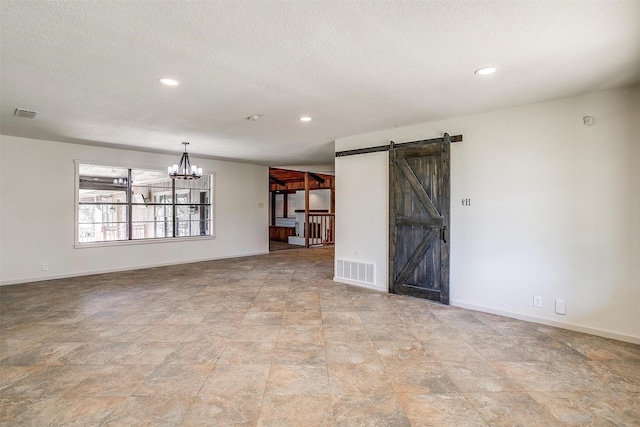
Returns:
(301, 209)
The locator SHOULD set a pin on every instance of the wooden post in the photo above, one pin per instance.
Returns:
(306, 209)
(285, 205)
(332, 208)
(273, 208)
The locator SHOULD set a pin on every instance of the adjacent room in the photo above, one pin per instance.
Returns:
(456, 185)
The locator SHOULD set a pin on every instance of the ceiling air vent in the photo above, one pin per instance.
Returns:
(27, 114)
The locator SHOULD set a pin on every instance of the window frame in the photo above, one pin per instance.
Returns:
(82, 245)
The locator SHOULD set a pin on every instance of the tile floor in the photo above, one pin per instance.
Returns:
(273, 341)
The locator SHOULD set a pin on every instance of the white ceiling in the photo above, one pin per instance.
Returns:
(91, 69)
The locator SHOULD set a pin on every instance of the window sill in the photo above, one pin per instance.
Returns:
(141, 241)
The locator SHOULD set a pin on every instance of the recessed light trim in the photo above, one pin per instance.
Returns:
(485, 71)
(305, 119)
(168, 82)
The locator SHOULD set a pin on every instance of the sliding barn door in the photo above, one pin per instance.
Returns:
(419, 219)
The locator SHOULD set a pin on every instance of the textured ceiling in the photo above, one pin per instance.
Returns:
(91, 69)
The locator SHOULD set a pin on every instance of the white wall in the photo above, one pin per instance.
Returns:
(37, 212)
(555, 210)
(362, 204)
(318, 200)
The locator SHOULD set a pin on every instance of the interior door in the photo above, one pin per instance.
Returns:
(419, 219)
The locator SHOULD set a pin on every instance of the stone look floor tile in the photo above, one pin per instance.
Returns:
(592, 408)
(351, 352)
(386, 317)
(297, 410)
(144, 353)
(272, 340)
(565, 376)
(341, 318)
(113, 333)
(511, 409)
(175, 380)
(299, 353)
(210, 332)
(197, 352)
(309, 334)
(301, 318)
(255, 333)
(237, 380)
(297, 380)
(94, 353)
(478, 376)
(166, 333)
(182, 318)
(49, 382)
(372, 410)
(47, 353)
(386, 332)
(440, 409)
(402, 352)
(358, 379)
(345, 333)
(451, 350)
(112, 380)
(223, 410)
(602, 349)
(149, 411)
(11, 374)
(628, 372)
(429, 377)
(262, 318)
(67, 411)
(527, 349)
(251, 353)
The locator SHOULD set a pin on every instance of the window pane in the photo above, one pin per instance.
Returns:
(147, 184)
(102, 223)
(152, 211)
(103, 179)
(193, 207)
(163, 218)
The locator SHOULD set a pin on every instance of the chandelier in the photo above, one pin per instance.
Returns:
(184, 169)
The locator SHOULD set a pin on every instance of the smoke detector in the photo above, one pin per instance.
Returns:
(27, 114)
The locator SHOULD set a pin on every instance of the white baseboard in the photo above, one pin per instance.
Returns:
(548, 322)
(115, 270)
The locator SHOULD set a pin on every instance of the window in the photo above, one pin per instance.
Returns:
(118, 204)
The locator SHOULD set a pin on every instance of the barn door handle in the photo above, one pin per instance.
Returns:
(444, 234)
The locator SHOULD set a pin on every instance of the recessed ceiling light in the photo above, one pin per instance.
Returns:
(484, 71)
(169, 82)
(305, 119)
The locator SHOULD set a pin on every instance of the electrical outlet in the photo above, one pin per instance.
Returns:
(537, 301)
(561, 307)
(45, 267)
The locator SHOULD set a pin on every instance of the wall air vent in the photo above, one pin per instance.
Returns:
(27, 114)
(356, 271)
